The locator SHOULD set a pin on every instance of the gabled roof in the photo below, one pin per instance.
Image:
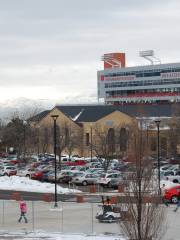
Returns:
(39, 116)
(92, 113)
(86, 113)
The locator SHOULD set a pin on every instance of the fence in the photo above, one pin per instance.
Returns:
(67, 218)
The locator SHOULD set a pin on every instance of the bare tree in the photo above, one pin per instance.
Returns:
(45, 138)
(61, 140)
(72, 139)
(145, 215)
(174, 135)
(104, 144)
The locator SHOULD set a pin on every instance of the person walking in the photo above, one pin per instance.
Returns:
(163, 189)
(23, 209)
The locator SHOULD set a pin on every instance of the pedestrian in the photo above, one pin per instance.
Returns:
(163, 188)
(178, 205)
(23, 209)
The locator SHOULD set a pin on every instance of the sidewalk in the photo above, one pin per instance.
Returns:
(54, 236)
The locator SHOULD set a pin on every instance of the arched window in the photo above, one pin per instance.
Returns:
(66, 135)
(123, 139)
(58, 136)
(111, 140)
(163, 146)
(153, 144)
(46, 135)
(87, 139)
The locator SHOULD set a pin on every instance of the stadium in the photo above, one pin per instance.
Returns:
(148, 84)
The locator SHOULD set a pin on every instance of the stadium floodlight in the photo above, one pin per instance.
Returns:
(149, 55)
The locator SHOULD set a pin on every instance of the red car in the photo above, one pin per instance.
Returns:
(172, 194)
(38, 175)
(76, 163)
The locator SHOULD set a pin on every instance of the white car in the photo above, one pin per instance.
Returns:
(7, 171)
(26, 172)
(175, 178)
(106, 178)
(85, 179)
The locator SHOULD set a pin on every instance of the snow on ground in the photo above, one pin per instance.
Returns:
(29, 185)
(57, 236)
(17, 183)
(168, 184)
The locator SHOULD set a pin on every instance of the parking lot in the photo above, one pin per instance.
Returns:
(73, 217)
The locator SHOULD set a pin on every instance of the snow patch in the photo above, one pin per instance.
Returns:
(17, 183)
(77, 116)
(58, 236)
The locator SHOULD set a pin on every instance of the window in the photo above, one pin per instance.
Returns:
(153, 144)
(123, 139)
(163, 146)
(58, 135)
(87, 139)
(111, 141)
(66, 135)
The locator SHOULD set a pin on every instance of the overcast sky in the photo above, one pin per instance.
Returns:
(51, 49)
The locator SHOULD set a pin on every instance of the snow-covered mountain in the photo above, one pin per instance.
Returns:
(25, 107)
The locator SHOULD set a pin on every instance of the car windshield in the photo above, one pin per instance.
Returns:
(78, 174)
(103, 175)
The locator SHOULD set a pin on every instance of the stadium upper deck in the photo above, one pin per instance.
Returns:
(159, 83)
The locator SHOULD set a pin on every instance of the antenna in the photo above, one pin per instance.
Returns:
(149, 55)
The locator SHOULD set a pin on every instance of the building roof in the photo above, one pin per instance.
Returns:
(92, 113)
(141, 68)
(39, 116)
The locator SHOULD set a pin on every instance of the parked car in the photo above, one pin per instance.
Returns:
(46, 174)
(7, 171)
(67, 176)
(175, 178)
(105, 179)
(167, 173)
(26, 172)
(50, 176)
(38, 175)
(85, 179)
(95, 170)
(165, 167)
(115, 182)
(172, 194)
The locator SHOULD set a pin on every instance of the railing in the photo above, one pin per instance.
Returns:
(159, 94)
(67, 218)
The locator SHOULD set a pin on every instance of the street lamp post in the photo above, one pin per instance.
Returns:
(54, 117)
(158, 160)
(24, 139)
(91, 143)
